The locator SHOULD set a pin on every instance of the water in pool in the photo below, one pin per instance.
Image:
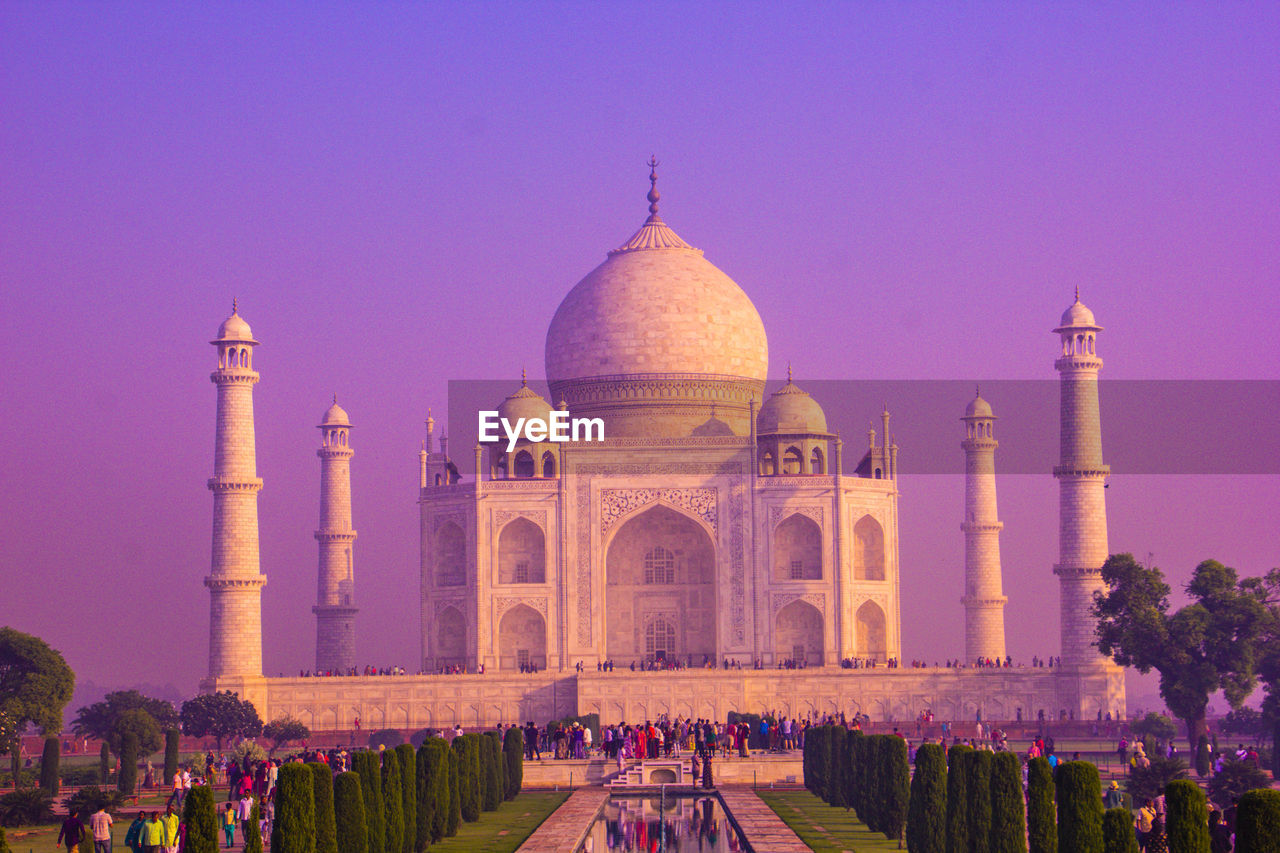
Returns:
(677, 825)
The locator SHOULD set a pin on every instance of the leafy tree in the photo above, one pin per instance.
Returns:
(49, 764)
(91, 798)
(392, 802)
(1246, 722)
(294, 827)
(99, 719)
(326, 826)
(1042, 824)
(1208, 645)
(927, 808)
(1257, 816)
(1118, 835)
(35, 685)
(978, 766)
(201, 820)
(283, 730)
(128, 779)
(408, 794)
(1235, 778)
(25, 807)
(348, 806)
(1147, 783)
(1079, 807)
(1155, 725)
(513, 754)
(1008, 812)
(220, 716)
(958, 799)
(366, 764)
(1187, 824)
(141, 725)
(253, 838)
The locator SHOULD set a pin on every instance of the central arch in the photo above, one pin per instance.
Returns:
(660, 567)
(522, 639)
(798, 634)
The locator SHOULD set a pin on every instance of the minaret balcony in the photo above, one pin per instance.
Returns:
(231, 584)
(981, 526)
(235, 484)
(335, 535)
(1078, 362)
(1082, 471)
(234, 376)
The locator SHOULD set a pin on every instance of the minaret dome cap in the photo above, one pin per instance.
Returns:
(335, 416)
(791, 410)
(234, 329)
(978, 408)
(1077, 316)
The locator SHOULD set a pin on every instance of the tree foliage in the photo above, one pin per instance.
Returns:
(958, 799)
(434, 791)
(99, 719)
(1147, 783)
(407, 757)
(35, 685)
(283, 730)
(141, 725)
(927, 809)
(1079, 793)
(172, 740)
(978, 765)
(326, 822)
(294, 827)
(392, 802)
(897, 785)
(253, 838)
(1210, 644)
(220, 716)
(127, 781)
(1042, 823)
(1118, 835)
(201, 820)
(1155, 725)
(467, 750)
(1235, 778)
(492, 789)
(1187, 825)
(368, 766)
(49, 764)
(513, 754)
(1008, 811)
(348, 808)
(1257, 816)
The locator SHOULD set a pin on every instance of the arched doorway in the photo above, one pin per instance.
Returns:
(797, 550)
(660, 566)
(798, 634)
(451, 555)
(522, 639)
(451, 638)
(871, 637)
(521, 553)
(868, 550)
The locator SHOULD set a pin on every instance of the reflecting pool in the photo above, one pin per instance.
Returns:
(653, 824)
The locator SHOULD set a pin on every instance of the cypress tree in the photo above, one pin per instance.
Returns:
(366, 764)
(897, 788)
(433, 791)
(466, 753)
(492, 764)
(409, 794)
(1079, 807)
(352, 833)
(1204, 758)
(958, 799)
(1187, 824)
(453, 759)
(326, 820)
(1257, 816)
(253, 840)
(171, 737)
(200, 818)
(513, 756)
(294, 827)
(927, 811)
(49, 765)
(104, 764)
(128, 779)
(1042, 821)
(392, 802)
(1008, 812)
(979, 765)
(4, 845)
(1118, 835)
(806, 759)
(849, 768)
(835, 763)
(868, 779)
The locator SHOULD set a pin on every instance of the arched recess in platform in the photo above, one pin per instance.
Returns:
(798, 634)
(451, 638)
(451, 555)
(522, 553)
(797, 549)
(868, 550)
(871, 636)
(522, 639)
(660, 563)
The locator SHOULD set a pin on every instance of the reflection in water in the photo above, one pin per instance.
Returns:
(644, 825)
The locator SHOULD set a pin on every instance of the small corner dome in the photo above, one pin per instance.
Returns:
(978, 408)
(335, 416)
(1077, 315)
(234, 328)
(791, 410)
(524, 403)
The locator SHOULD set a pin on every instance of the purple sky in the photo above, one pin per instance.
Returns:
(400, 195)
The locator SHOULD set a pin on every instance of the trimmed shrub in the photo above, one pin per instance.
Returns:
(513, 756)
(201, 819)
(1042, 821)
(390, 738)
(455, 758)
(104, 763)
(79, 777)
(1008, 811)
(897, 786)
(958, 799)
(492, 790)
(407, 757)
(326, 821)
(366, 764)
(978, 766)
(418, 738)
(171, 737)
(294, 827)
(1187, 821)
(1118, 835)
(467, 748)
(808, 760)
(927, 811)
(1079, 807)
(392, 802)
(869, 781)
(1257, 816)
(128, 779)
(348, 809)
(49, 765)
(4, 845)
(433, 791)
(253, 839)
(835, 767)
(850, 769)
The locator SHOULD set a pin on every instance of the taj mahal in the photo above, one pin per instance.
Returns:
(715, 521)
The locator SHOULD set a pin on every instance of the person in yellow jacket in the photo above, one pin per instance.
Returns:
(152, 834)
(170, 821)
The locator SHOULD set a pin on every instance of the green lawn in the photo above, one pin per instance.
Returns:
(507, 828)
(824, 828)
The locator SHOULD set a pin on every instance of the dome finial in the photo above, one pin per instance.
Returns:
(1077, 293)
(524, 380)
(335, 398)
(788, 373)
(977, 390)
(653, 186)
(235, 304)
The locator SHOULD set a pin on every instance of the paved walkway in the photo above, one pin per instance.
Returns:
(760, 825)
(564, 830)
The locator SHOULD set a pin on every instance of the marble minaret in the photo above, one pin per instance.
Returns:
(335, 615)
(235, 581)
(984, 597)
(1081, 475)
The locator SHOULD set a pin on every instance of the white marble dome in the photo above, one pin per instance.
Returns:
(978, 408)
(524, 403)
(234, 328)
(335, 416)
(1077, 315)
(791, 410)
